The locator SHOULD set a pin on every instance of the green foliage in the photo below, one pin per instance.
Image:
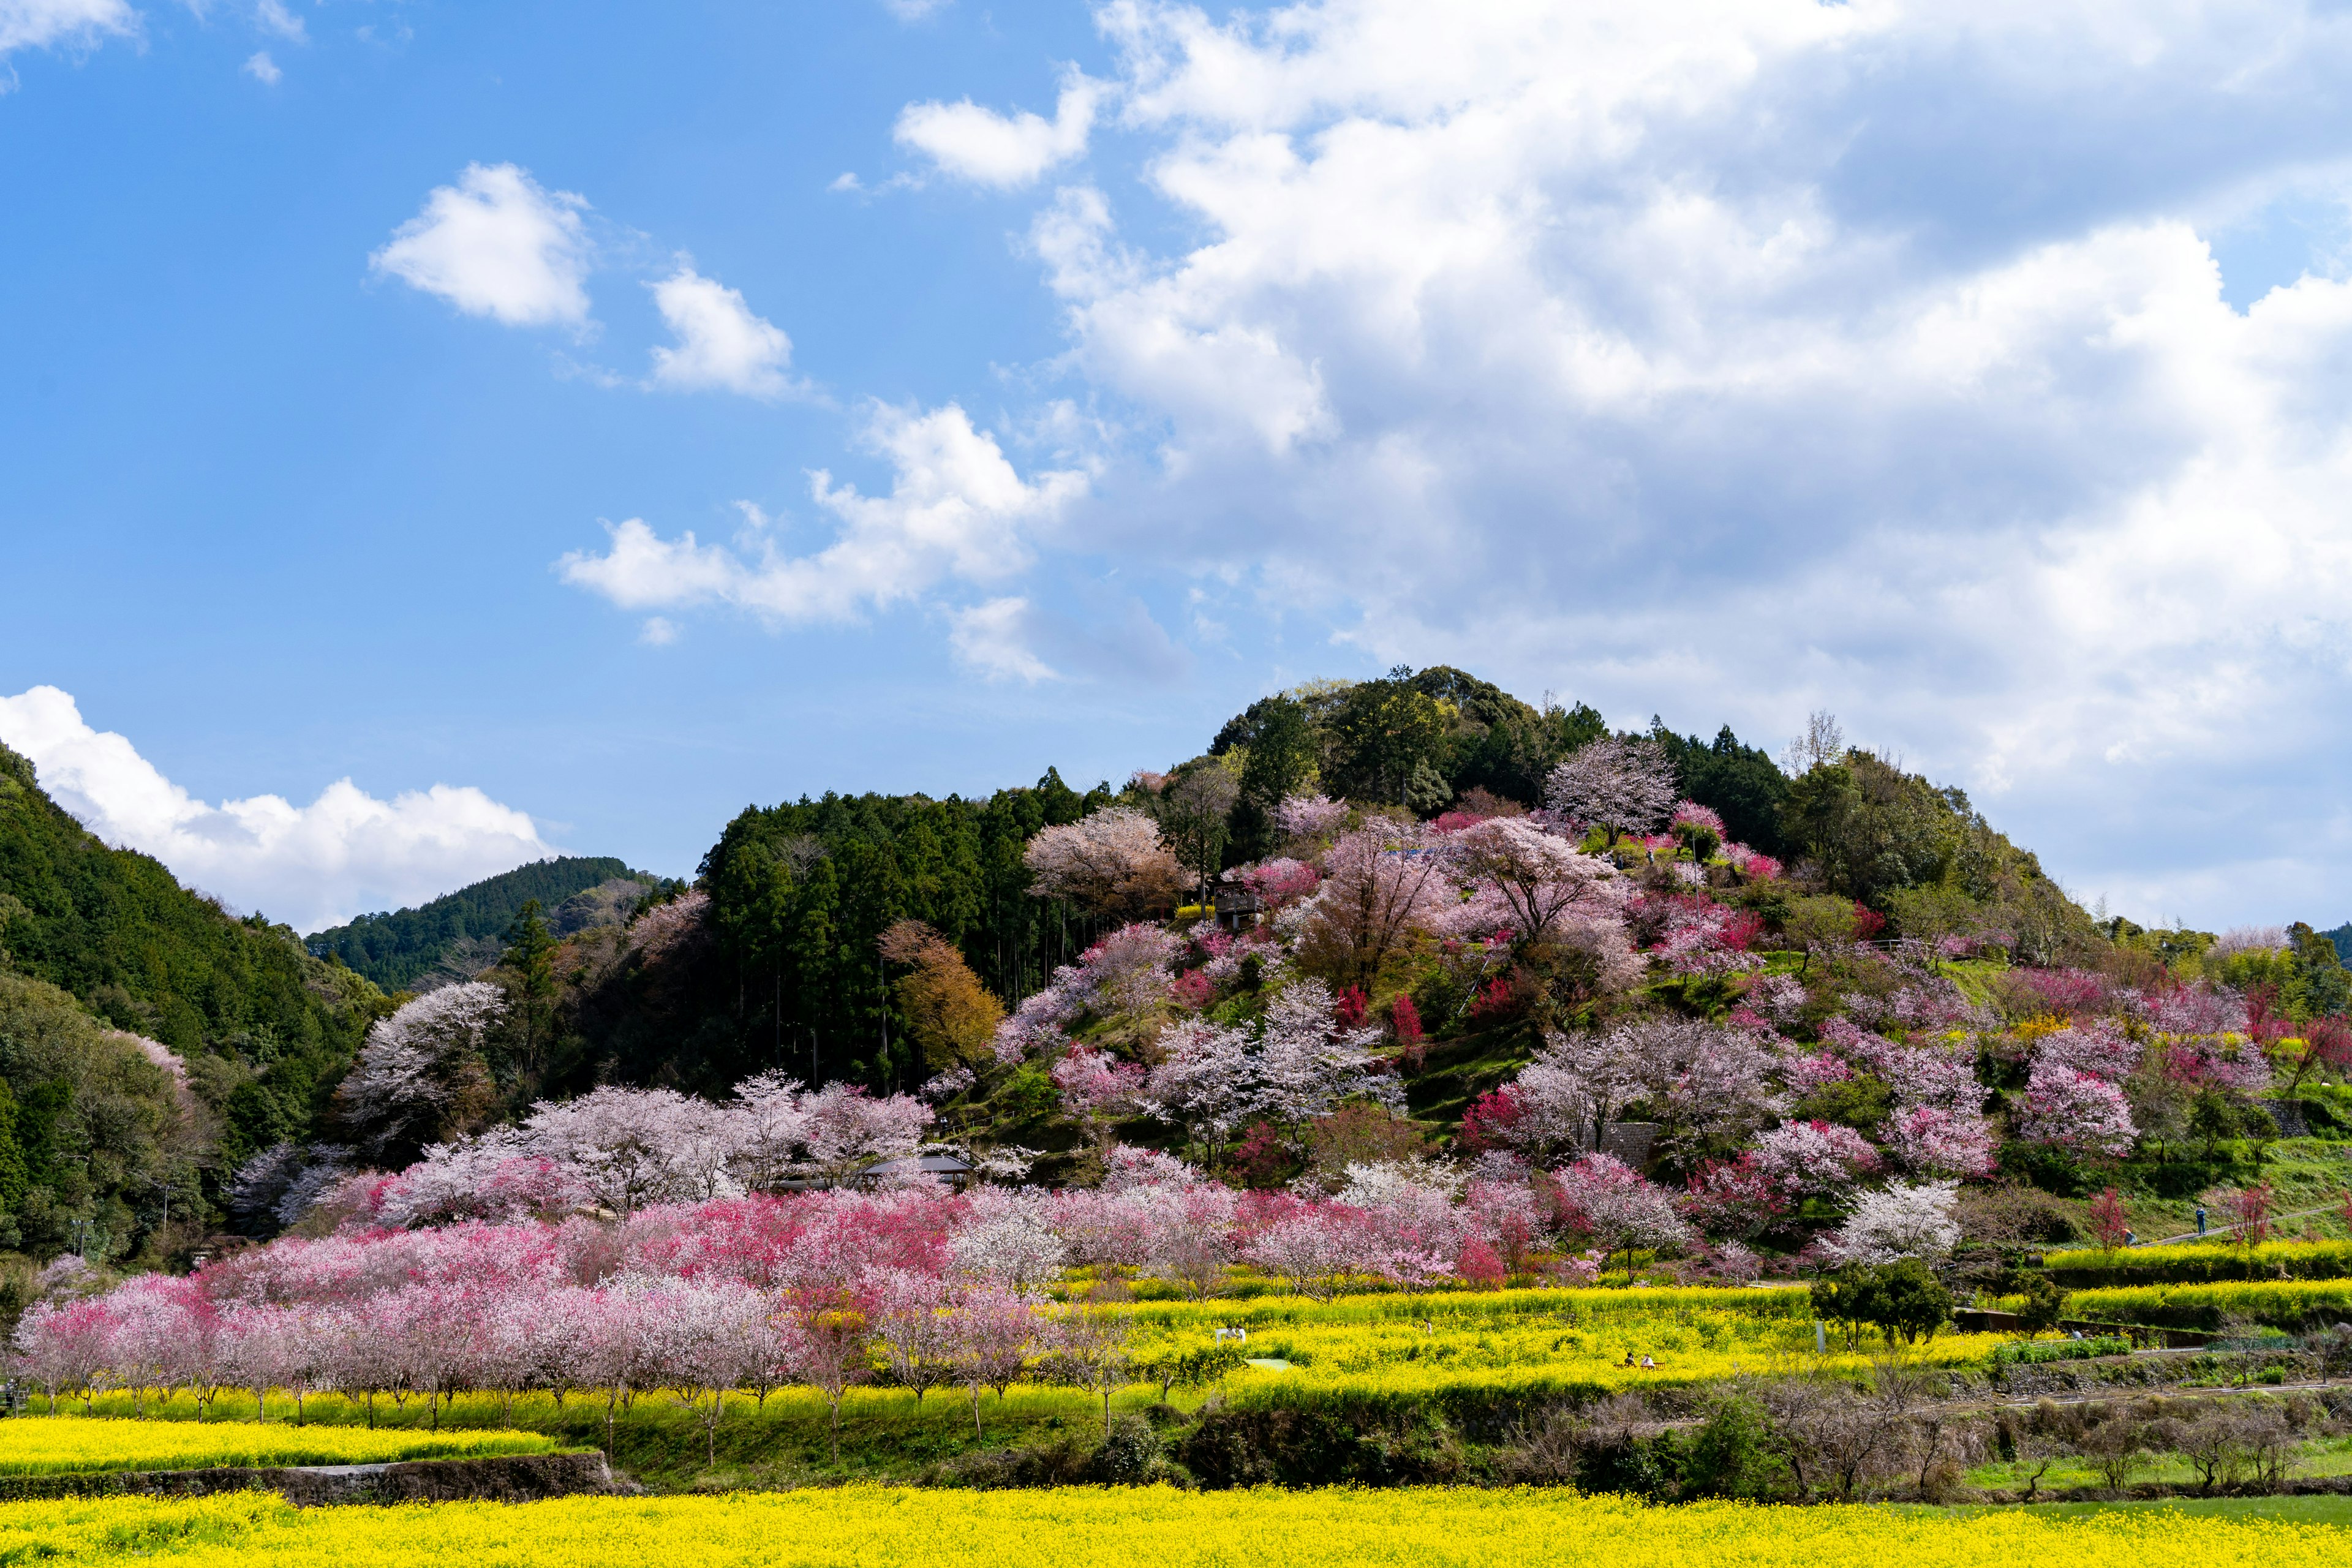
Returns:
(2042, 1303)
(395, 950)
(1901, 1300)
(1382, 735)
(1282, 757)
(530, 959)
(1740, 784)
(1873, 831)
(95, 1132)
(800, 895)
(239, 999)
(1732, 1455)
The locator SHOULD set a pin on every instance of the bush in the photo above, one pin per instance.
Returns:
(1731, 1456)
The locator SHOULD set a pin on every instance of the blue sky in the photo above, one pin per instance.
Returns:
(1041, 383)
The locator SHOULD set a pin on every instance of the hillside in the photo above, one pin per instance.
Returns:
(779, 966)
(460, 934)
(91, 936)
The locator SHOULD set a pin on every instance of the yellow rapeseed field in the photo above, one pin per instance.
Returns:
(1567, 1340)
(872, 1527)
(50, 1445)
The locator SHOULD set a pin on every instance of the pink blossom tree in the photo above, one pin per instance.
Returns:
(1618, 784)
(2074, 1111)
(1608, 1201)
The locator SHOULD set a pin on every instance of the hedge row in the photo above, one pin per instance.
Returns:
(2207, 1263)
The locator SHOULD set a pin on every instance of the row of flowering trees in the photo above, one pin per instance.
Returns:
(913, 1285)
(614, 1150)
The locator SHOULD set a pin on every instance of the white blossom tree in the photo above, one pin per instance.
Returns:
(1618, 784)
(418, 1067)
(1901, 1219)
(1111, 862)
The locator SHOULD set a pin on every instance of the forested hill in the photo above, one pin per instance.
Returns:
(460, 933)
(778, 965)
(91, 935)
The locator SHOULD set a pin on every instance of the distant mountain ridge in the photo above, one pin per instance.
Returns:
(458, 935)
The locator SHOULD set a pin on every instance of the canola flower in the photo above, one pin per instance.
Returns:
(874, 1527)
(51, 1444)
(1531, 1341)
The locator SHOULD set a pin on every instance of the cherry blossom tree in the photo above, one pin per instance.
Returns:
(849, 1130)
(824, 1335)
(990, 1334)
(1739, 1198)
(1007, 1241)
(1538, 878)
(1201, 1083)
(1111, 862)
(1814, 1158)
(1305, 1063)
(1618, 784)
(1096, 1088)
(421, 1067)
(2075, 1112)
(1608, 1201)
(1902, 1219)
(911, 1326)
(1381, 883)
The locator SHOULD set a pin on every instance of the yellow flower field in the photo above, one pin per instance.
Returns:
(51, 1444)
(871, 1527)
(1519, 1338)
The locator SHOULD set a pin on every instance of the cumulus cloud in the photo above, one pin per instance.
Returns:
(311, 866)
(74, 24)
(986, 148)
(496, 244)
(262, 68)
(993, 639)
(721, 344)
(1727, 360)
(957, 509)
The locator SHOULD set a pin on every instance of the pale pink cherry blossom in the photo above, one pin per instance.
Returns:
(1938, 1141)
(1380, 884)
(1112, 862)
(1202, 1082)
(910, 1320)
(990, 1333)
(402, 1082)
(1814, 1158)
(1304, 1063)
(1098, 1087)
(1620, 784)
(2075, 1112)
(1009, 1238)
(1899, 1220)
(825, 1333)
(66, 1347)
(1536, 877)
(1605, 1199)
(2094, 1046)
(849, 1130)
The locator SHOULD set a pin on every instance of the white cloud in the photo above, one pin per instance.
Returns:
(312, 866)
(262, 68)
(957, 509)
(990, 149)
(75, 24)
(721, 344)
(657, 632)
(1728, 359)
(497, 245)
(993, 639)
(914, 10)
(272, 17)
